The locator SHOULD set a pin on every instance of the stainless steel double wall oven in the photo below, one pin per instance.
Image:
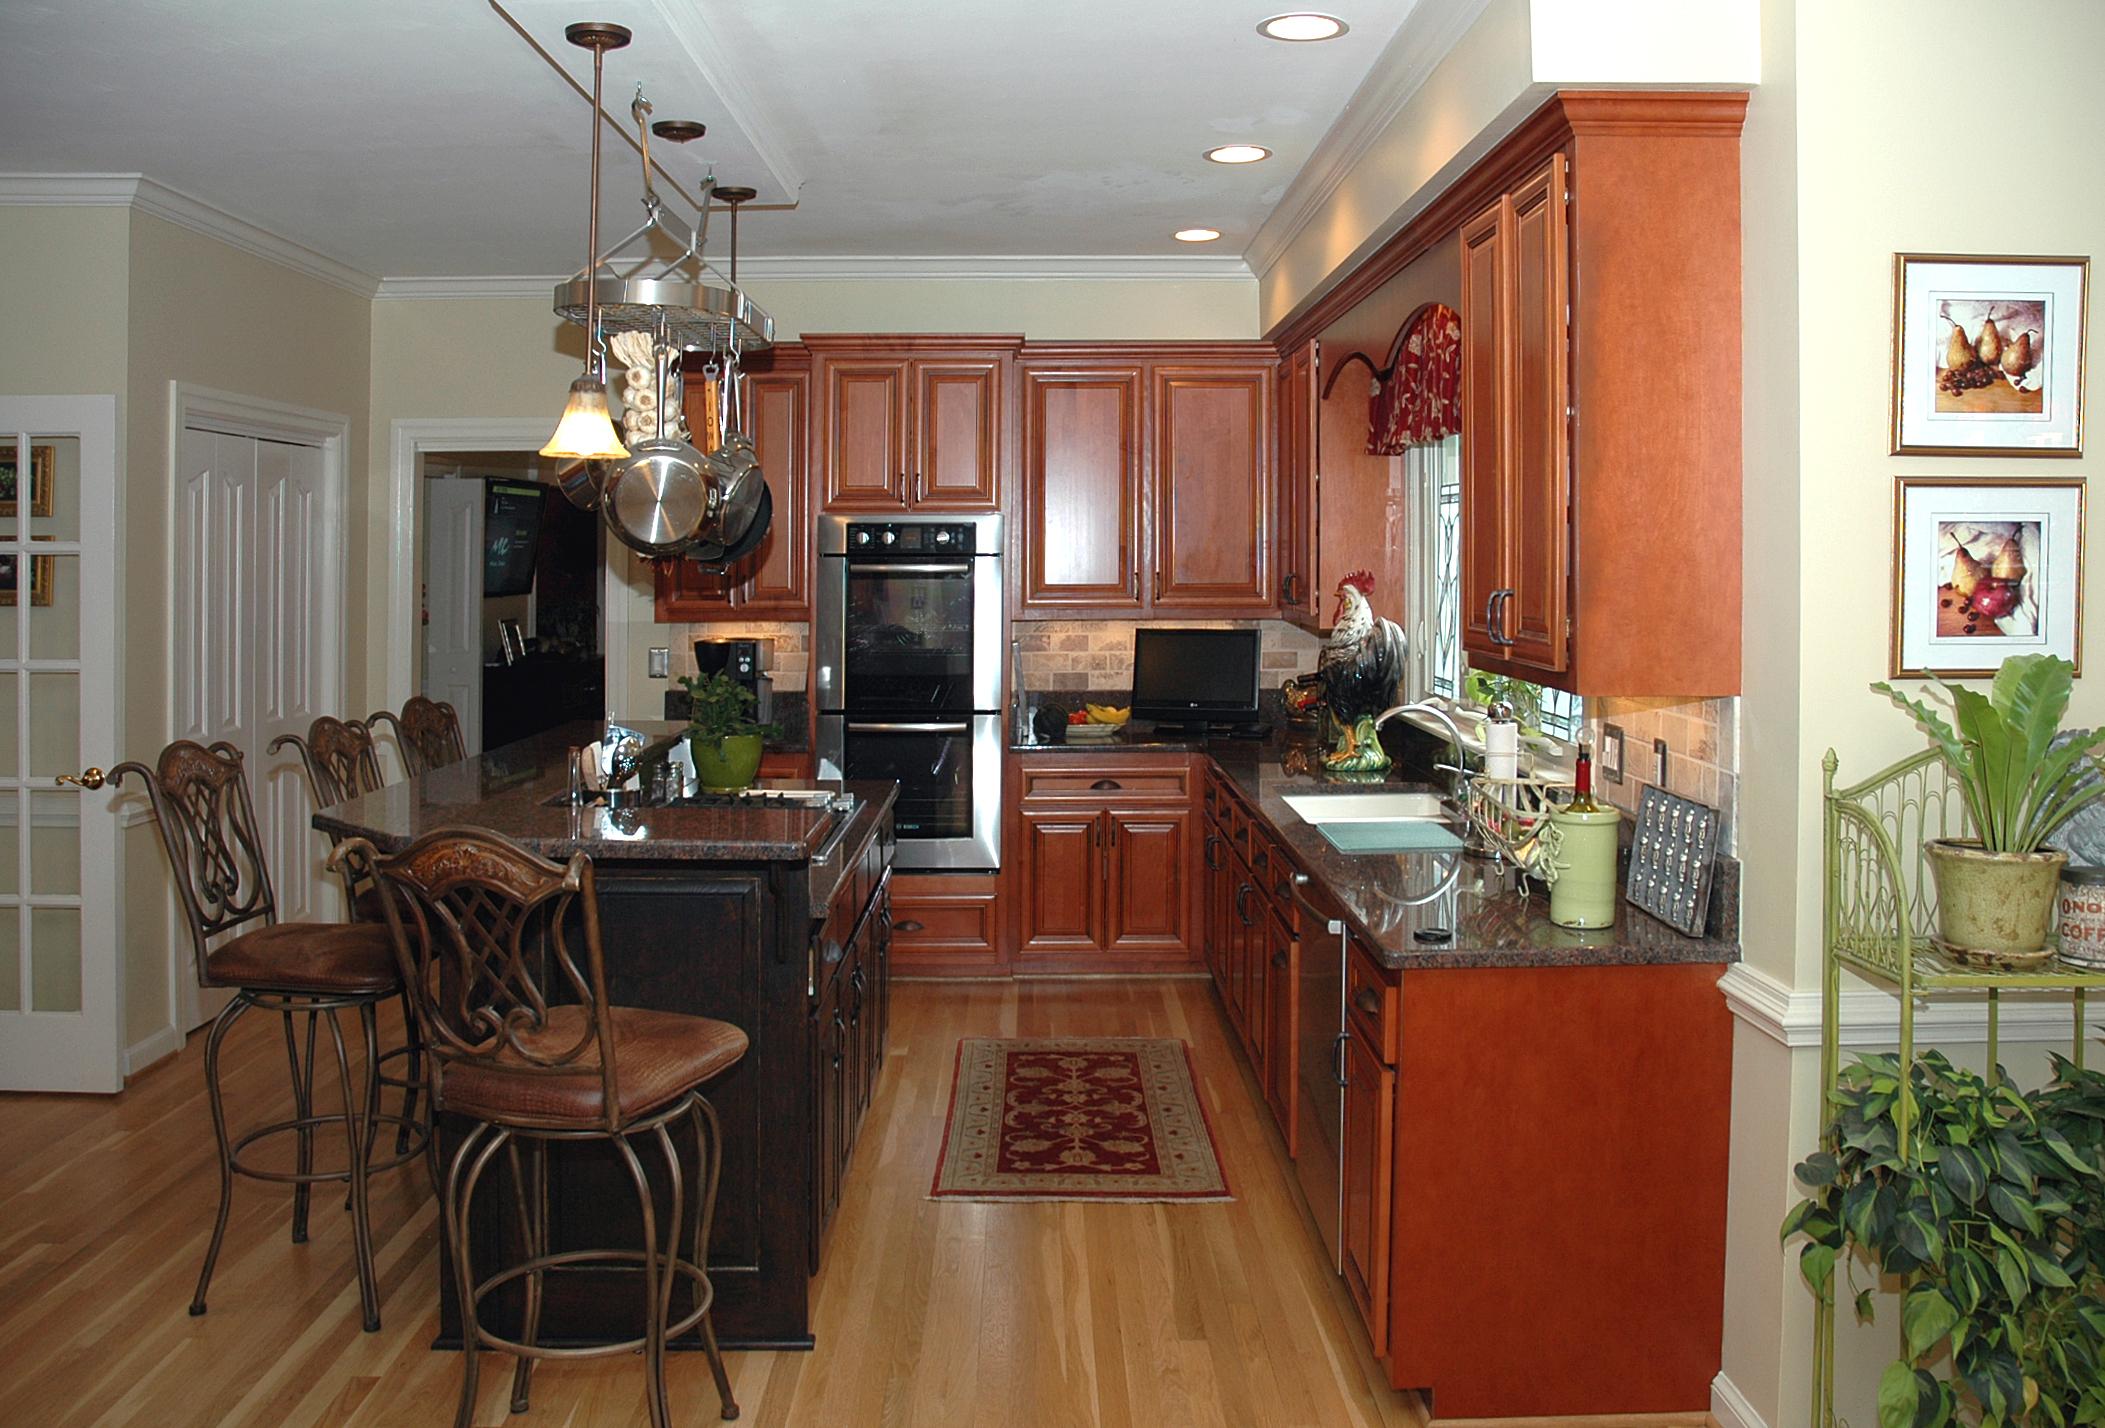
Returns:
(909, 679)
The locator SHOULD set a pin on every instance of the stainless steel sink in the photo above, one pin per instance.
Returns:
(1321, 808)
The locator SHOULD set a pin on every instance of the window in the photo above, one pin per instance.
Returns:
(1436, 669)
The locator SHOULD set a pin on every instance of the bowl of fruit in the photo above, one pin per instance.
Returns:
(1096, 721)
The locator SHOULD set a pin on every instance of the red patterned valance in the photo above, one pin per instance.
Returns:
(1420, 401)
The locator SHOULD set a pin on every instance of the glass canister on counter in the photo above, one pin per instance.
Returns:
(1584, 894)
(2083, 916)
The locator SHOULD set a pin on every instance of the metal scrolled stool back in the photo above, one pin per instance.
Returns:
(501, 951)
(427, 732)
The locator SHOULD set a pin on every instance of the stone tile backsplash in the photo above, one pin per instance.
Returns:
(1702, 740)
(792, 657)
(1075, 655)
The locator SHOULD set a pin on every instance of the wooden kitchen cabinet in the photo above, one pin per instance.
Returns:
(1370, 1128)
(1300, 409)
(1281, 1041)
(775, 582)
(912, 423)
(947, 924)
(1147, 479)
(1106, 863)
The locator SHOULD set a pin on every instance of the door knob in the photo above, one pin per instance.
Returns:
(89, 778)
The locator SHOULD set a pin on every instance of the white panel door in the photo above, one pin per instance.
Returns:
(453, 604)
(61, 1012)
(291, 662)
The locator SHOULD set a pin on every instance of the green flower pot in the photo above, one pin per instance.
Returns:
(1995, 906)
(725, 765)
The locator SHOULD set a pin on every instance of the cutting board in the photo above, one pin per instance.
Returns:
(1403, 835)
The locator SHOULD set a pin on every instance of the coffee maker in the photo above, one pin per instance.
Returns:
(746, 661)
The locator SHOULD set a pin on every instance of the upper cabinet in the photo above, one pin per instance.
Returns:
(1300, 597)
(909, 423)
(775, 582)
(1599, 253)
(1147, 479)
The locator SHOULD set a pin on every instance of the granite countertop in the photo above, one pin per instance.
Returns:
(508, 790)
(1386, 897)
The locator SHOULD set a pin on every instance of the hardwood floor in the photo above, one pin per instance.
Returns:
(928, 1313)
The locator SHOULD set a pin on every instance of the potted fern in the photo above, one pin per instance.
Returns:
(722, 734)
(2021, 781)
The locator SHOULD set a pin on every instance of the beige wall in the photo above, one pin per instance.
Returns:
(62, 302)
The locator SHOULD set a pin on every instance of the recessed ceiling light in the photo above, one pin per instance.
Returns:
(1197, 235)
(1301, 26)
(1239, 153)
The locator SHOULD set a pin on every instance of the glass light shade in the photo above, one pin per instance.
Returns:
(586, 432)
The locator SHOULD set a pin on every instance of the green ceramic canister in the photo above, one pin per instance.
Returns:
(1584, 894)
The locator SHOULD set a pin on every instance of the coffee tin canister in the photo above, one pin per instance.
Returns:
(2083, 916)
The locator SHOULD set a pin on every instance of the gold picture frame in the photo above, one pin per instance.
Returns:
(43, 481)
(1943, 621)
(1942, 406)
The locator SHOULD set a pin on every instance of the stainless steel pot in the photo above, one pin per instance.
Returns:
(667, 493)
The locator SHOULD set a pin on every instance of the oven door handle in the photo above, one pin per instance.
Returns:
(961, 727)
(909, 567)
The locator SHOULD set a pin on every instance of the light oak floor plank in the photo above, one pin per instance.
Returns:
(927, 1313)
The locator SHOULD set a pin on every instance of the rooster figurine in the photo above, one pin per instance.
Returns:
(1360, 666)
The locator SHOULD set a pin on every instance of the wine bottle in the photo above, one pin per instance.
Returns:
(1582, 800)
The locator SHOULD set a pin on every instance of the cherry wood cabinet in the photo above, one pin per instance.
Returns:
(1370, 1129)
(1282, 1035)
(912, 423)
(1147, 479)
(1106, 862)
(1300, 510)
(947, 924)
(775, 582)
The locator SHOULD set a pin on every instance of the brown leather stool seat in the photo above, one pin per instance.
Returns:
(356, 958)
(658, 1057)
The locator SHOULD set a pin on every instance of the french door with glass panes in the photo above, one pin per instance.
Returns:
(61, 1015)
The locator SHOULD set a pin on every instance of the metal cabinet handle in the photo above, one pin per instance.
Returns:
(1279, 960)
(961, 727)
(910, 925)
(1367, 1000)
(1103, 785)
(1242, 890)
(1337, 1061)
(1213, 842)
(1501, 601)
(1289, 583)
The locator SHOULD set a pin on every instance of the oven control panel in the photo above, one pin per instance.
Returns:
(915, 538)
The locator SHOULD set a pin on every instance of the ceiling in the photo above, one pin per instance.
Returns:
(423, 137)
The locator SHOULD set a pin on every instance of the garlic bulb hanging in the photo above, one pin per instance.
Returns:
(640, 358)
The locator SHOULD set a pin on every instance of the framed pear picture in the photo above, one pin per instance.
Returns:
(1985, 568)
(1988, 355)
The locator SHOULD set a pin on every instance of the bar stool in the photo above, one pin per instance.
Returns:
(342, 762)
(527, 1047)
(427, 731)
(207, 826)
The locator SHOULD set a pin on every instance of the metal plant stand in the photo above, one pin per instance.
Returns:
(1878, 917)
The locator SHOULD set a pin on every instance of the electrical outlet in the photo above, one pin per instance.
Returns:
(660, 662)
(1659, 771)
(1610, 758)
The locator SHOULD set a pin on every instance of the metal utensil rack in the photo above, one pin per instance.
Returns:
(1879, 911)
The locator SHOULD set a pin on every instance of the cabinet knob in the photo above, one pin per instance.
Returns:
(1367, 1000)
(910, 925)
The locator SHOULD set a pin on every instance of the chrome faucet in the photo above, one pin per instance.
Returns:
(1458, 789)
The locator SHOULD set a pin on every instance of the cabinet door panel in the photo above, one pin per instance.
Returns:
(1146, 884)
(1370, 1125)
(958, 433)
(1282, 1028)
(1538, 515)
(1081, 474)
(1213, 929)
(1300, 498)
(1484, 459)
(1212, 493)
(1062, 882)
(862, 446)
(777, 407)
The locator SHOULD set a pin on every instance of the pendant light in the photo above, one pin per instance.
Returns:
(586, 431)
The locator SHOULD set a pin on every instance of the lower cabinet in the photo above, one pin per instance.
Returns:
(946, 924)
(850, 1020)
(1105, 863)
(1282, 1038)
(1370, 1128)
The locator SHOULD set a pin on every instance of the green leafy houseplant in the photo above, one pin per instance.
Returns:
(1991, 1219)
(1996, 893)
(722, 735)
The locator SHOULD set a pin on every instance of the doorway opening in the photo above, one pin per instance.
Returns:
(511, 581)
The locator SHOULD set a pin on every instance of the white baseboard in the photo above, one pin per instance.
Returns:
(1871, 1014)
(165, 1041)
(1730, 1407)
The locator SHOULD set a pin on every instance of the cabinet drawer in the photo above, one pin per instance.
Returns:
(1371, 1003)
(945, 921)
(1106, 783)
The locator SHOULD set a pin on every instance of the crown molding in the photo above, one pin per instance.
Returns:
(172, 205)
(1429, 33)
(1870, 1015)
(1145, 267)
(709, 57)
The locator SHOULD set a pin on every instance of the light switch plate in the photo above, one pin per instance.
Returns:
(1610, 758)
(1659, 773)
(660, 662)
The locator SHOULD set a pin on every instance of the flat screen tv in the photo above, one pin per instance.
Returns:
(1195, 676)
(511, 532)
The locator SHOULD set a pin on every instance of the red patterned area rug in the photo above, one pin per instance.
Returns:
(1090, 1118)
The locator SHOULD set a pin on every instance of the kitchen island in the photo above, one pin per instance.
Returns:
(773, 916)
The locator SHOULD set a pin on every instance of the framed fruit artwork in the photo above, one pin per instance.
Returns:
(1985, 568)
(1988, 355)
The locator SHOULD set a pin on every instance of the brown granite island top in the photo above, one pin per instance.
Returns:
(1390, 897)
(520, 790)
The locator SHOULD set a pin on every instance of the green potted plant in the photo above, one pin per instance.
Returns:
(1996, 891)
(722, 734)
(1990, 1220)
